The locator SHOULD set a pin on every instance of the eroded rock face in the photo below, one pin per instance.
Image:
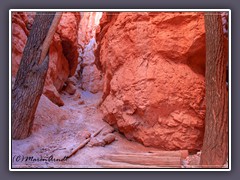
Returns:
(90, 76)
(68, 30)
(88, 27)
(63, 51)
(91, 79)
(153, 65)
(58, 71)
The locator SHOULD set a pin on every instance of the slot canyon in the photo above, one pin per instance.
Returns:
(124, 81)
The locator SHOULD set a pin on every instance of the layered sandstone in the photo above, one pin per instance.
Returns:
(153, 65)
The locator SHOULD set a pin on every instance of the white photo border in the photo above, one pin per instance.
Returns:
(120, 10)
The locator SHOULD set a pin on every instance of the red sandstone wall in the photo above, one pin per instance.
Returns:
(63, 52)
(153, 66)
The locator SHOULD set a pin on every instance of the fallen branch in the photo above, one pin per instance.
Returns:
(156, 153)
(182, 153)
(97, 132)
(145, 160)
(85, 142)
(79, 147)
(112, 164)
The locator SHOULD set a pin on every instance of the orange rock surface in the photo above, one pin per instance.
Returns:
(153, 65)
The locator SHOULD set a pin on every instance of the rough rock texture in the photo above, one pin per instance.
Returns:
(70, 88)
(68, 30)
(90, 76)
(63, 52)
(58, 71)
(153, 67)
(88, 27)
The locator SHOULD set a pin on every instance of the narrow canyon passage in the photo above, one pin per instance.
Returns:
(130, 83)
(67, 128)
(58, 130)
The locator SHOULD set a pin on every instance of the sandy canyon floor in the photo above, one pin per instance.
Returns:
(58, 131)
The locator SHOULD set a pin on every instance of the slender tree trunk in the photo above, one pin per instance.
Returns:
(215, 144)
(32, 72)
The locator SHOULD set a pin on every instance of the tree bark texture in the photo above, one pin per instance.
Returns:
(32, 72)
(215, 144)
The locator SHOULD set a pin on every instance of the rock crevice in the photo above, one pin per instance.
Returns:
(63, 51)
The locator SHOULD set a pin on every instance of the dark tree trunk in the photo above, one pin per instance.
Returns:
(215, 144)
(31, 75)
